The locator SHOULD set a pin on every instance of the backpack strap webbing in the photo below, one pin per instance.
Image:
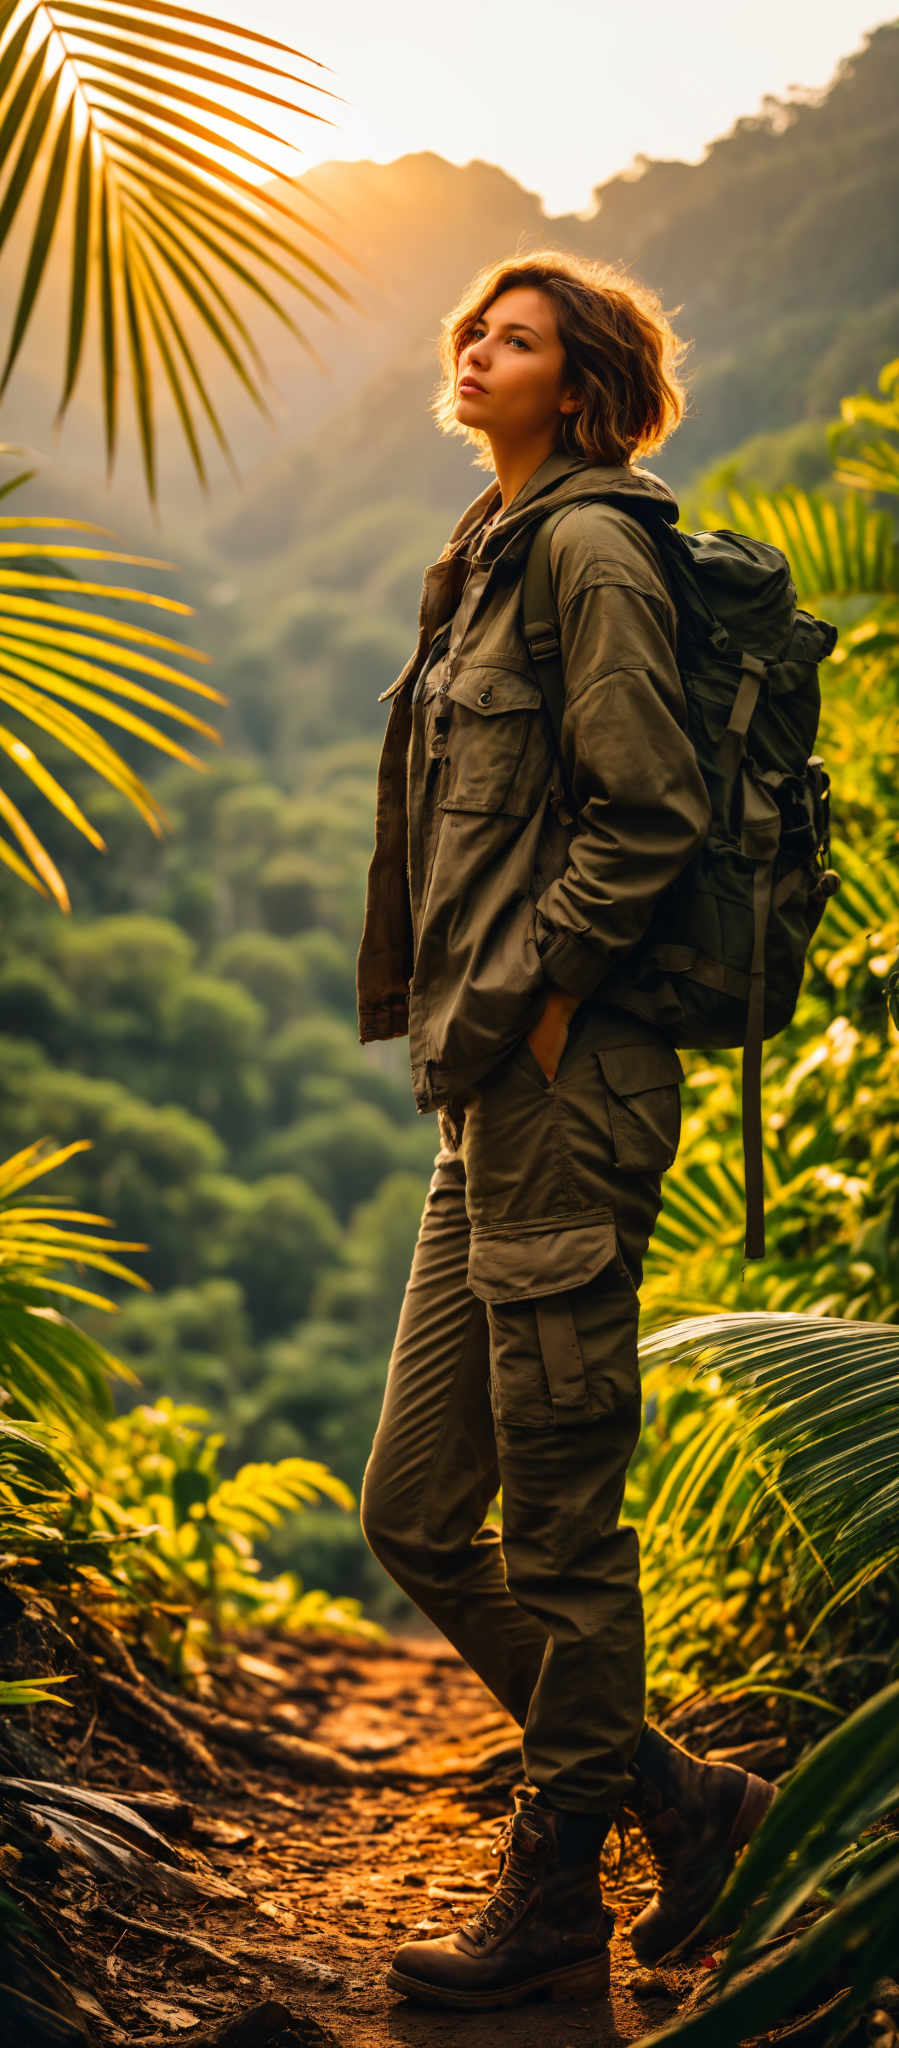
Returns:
(759, 840)
(540, 626)
(539, 615)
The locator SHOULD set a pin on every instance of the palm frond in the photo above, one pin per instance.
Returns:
(849, 1782)
(133, 134)
(821, 1396)
(861, 1932)
(58, 661)
(814, 1838)
(868, 899)
(258, 1497)
(871, 465)
(49, 1367)
(843, 548)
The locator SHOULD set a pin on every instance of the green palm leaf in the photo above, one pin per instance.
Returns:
(847, 1785)
(849, 1782)
(103, 129)
(867, 902)
(832, 548)
(52, 1375)
(822, 1398)
(54, 656)
(869, 465)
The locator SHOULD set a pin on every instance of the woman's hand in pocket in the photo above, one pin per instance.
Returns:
(548, 1036)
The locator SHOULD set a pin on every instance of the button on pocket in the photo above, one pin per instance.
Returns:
(494, 712)
(643, 1099)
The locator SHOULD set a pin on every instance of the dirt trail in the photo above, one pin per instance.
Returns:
(329, 1876)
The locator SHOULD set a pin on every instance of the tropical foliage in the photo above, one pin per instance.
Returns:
(58, 652)
(113, 131)
(127, 1516)
(827, 1835)
(859, 441)
(817, 1399)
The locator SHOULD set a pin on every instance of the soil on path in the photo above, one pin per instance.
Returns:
(323, 1875)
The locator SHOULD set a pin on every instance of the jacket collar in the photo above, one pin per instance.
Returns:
(560, 479)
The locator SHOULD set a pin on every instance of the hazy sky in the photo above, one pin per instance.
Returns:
(561, 93)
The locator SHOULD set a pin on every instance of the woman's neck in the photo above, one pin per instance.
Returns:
(515, 466)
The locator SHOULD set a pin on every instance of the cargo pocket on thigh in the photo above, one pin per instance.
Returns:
(529, 1277)
(643, 1099)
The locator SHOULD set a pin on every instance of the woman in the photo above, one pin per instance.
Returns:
(498, 932)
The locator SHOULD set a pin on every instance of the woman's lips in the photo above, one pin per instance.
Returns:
(470, 384)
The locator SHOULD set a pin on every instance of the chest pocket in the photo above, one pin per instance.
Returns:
(492, 717)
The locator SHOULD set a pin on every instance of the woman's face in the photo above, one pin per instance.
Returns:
(514, 353)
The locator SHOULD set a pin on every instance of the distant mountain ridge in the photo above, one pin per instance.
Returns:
(779, 248)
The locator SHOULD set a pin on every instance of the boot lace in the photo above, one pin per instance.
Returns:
(513, 1889)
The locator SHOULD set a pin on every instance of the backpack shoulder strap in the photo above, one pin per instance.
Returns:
(540, 619)
(540, 626)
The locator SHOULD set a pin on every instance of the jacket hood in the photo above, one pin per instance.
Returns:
(560, 480)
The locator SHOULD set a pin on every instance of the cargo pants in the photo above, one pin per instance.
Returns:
(515, 1366)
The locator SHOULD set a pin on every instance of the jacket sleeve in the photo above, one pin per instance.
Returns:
(642, 806)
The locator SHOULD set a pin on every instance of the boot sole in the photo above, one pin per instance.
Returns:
(578, 1981)
(757, 1797)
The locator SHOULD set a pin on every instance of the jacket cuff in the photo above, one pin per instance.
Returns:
(572, 963)
(389, 1019)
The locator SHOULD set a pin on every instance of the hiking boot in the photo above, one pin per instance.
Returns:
(695, 1817)
(543, 1932)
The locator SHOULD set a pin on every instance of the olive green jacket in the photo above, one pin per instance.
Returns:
(482, 890)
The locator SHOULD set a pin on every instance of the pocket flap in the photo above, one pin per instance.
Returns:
(546, 1257)
(630, 1069)
(489, 690)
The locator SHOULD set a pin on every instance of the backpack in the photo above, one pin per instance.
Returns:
(722, 960)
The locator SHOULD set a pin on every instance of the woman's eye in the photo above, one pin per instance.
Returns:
(509, 337)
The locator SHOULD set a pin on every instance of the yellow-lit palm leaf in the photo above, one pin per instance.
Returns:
(113, 123)
(869, 465)
(48, 1366)
(61, 667)
(32, 1243)
(832, 548)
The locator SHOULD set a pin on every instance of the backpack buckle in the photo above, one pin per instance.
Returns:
(543, 645)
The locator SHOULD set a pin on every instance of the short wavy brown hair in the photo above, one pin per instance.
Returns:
(621, 352)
